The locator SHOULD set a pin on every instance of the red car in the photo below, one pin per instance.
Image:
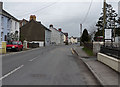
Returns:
(14, 46)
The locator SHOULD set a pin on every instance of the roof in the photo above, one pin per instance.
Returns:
(66, 34)
(23, 20)
(73, 37)
(37, 23)
(57, 30)
(44, 26)
(5, 13)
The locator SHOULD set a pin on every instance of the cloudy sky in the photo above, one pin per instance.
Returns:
(65, 14)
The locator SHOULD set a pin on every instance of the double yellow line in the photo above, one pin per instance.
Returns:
(74, 52)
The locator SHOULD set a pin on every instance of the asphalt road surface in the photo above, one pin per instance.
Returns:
(54, 65)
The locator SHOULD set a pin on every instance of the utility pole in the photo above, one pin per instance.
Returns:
(104, 20)
(80, 32)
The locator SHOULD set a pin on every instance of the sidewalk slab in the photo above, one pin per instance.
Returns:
(12, 53)
(104, 74)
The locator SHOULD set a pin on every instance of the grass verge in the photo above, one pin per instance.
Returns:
(88, 51)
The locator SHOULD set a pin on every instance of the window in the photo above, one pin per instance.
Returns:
(2, 20)
(19, 43)
(15, 25)
(1, 36)
(8, 23)
(15, 43)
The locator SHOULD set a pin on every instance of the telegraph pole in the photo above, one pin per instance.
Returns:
(104, 20)
(80, 32)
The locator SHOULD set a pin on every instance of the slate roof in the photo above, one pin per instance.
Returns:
(23, 20)
(37, 23)
(66, 34)
(5, 13)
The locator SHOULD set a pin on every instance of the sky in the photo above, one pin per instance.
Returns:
(65, 14)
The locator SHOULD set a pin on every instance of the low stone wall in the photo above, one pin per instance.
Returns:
(110, 61)
(96, 47)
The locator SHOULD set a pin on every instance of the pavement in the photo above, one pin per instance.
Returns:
(54, 65)
(24, 50)
(104, 74)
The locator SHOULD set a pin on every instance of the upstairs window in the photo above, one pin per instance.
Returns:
(15, 25)
(1, 36)
(8, 23)
(2, 20)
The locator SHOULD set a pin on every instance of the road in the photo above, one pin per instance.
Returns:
(54, 65)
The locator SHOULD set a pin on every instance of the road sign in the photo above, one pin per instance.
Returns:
(108, 34)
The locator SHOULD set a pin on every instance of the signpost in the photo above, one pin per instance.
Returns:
(108, 34)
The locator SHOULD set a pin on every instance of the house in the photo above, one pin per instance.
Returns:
(23, 22)
(9, 26)
(65, 37)
(35, 32)
(61, 36)
(73, 40)
(47, 37)
(57, 36)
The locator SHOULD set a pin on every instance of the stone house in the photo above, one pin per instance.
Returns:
(35, 32)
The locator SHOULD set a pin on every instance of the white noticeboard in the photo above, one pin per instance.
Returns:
(108, 33)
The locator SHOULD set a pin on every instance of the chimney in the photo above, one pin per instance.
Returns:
(33, 17)
(1, 5)
(59, 29)
(51, 26)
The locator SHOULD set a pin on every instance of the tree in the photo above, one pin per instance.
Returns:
(117, 31)
(12, 36)
(85, 36)
(111, 21)
(97, 34)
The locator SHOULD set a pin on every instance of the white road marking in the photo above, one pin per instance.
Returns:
(11, 72)
(33, 59)
(72, 50)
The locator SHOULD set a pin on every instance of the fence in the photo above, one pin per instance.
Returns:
(111, 51)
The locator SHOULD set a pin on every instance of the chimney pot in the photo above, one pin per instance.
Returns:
(33, 17)
(51, 26)
(60, 29)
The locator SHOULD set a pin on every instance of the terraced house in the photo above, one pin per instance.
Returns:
(35, 32)
(9, 26)
(57, 36)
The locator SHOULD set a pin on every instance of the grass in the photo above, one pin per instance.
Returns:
(88, 51)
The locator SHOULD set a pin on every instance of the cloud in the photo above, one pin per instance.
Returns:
(67, 15)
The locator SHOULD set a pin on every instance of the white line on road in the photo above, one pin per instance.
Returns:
(11, 72)
(33, 59)
(72, 50)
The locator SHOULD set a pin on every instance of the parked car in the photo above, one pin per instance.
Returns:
(14, 46)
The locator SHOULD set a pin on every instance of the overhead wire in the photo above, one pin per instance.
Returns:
(87, 12)
(38, 9)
